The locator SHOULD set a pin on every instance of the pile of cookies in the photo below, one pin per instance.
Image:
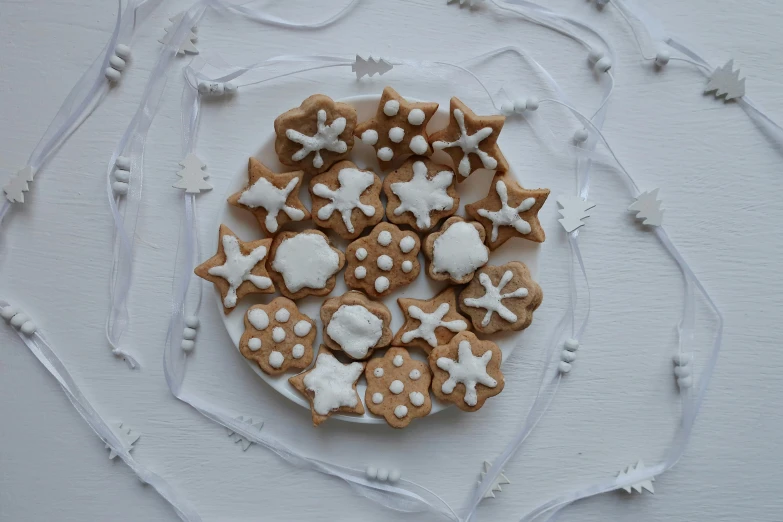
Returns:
(316, 138)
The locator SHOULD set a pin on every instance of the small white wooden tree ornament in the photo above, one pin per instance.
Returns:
(639, 486)
(496, 485)
(370, 66)
(648, 207)
(574, 211)
(187, 44)
(18, 184)
(725, 81)
(127, 436)
(239, 439)
(192, 175)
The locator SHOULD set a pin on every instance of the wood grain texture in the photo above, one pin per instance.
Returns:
(719, 179)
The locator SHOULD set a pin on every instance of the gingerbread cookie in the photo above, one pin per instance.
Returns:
(272, 198)
(304, 263)
(456, 251)
(466, 371)
(355, 325)
(420, 193)
(278, 337)
(430, 323)
(471, 140)
(398, 129)
(509, 211)
(237, 269)
(346, 199)
(330, 386)
(398, 387)
(507, 305)
(316, 134)
(384, 260)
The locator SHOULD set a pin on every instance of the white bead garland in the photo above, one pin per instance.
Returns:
(568, 355)
(383, 474)
(216, 88)
(18, 320)
(507, 108)
(683, 370)
(189, 333)
(662, 57)
(117, 63)
(121, 176)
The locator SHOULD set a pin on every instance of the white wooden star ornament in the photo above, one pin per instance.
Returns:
(192, 175)
(648, 208)
(574, 211)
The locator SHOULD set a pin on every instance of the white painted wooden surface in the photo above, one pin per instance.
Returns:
(719, 177)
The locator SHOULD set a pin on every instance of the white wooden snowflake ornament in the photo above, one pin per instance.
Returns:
(574, 211)
(648, 207)
(496, 485)
(192, 175)
(725, 81)
(18, 184)
(370, 66)
(639, 486)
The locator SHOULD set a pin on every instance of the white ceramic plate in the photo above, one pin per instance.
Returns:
(246, 227)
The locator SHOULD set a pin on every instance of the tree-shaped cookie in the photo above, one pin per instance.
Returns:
(471, 140)
(382, 261)
(304, 263)
(431, 322)
(237, 269)
(398, 387)
(346, 199)
(466, 371)
(501, 298)
(330, 386)
(420, 193)
(398, 129)
(315, 135)
(355, 324)
(456, 251)
(272, 198)
(278, 337)
(509, 211)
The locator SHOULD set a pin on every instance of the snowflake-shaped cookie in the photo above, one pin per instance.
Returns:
(501, 298)
(420, 193)
(384, 260)
(398, 387)
(466, 371)
(304, 263)
(430, 323)
(316, 134)
(456, 251)
(278, 337)
(355, 324)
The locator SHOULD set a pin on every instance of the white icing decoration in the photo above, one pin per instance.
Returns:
(353, 182)
(306, 261)
(377, 398)
(429, 322)
(258, 319)
(370, 137)
(236, 270)
(415, 374)
(416, 117)
(378, 372)
(400, 411)
(417, 398)
(327, 137)
(418, 145)
(360, 272)
(332, 384)
(407, 243)
(361, 254)
(385, 154)
(491, 300)
(384, 238)
(282, 315)
(276, 359)
(278, 334)
(396, 134)
(355, 329)
(507, 216)
(381, 284)
(407, 266)
(422, 195)
(469, 145)
(302, 328)
(459, 251)
(397, 361)
(254, 344)
(264, 194)
(391, 108)
(298, 351)
(385, 262)
(396, 387)
(469, 370)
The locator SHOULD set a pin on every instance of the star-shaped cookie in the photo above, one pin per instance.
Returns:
(471, 140)
(509, 211)
(272, 198)
(430, 323)
(238, 268)
(398, 129)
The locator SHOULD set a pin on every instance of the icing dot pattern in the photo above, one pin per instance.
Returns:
(398, 387)
(382, 261)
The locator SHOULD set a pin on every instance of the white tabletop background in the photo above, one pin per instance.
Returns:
(719, 177)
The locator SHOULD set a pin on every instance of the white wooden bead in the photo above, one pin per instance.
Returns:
(122, 163)
(567, 356)
(117, 63)
(383, 474)
(685, 382)
(507, 108)
(187, 345)
(18, 320)
(122, 175)
(600, 4)
(28, 328)
(682, 371)
(520, 105)
(120, 188)
(594, 55)
(581, 135)
(531, 104)
(371, 472)
(191, 321)
(571, 345)
(564, 367)
(189, 334)
(113, 75)
(8, 312)
(394, 475)
(682, 358)
(603, 65)
(662, 57)
(123, 51)
(230, 87)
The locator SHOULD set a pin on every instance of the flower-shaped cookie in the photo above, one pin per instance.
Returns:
(346, 199)
(316, 134)
(509, 211)
(420, 193)
(355, 324)
(471, 140)
(384, 260)
(430, 323)
(398, 129)
(278, 337)
(272, 198)
(501, 298)
(330, 386)
(456, 251)
(304, 263)
(466, 371)
(398, 387)
(237, 269)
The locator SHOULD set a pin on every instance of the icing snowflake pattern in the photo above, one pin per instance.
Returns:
(507, 215)
(492, 299)
(264, 194)
(353, 182)
(332, 384)
(468, 370)
(326, 137)
(421, 195)
(236, 270)
(429, 322)
(469, 143)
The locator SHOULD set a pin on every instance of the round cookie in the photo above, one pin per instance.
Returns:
(456, 251)
(278, 337)
(430, 323)
(355, 325)
(398, 387)
(304, 263)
